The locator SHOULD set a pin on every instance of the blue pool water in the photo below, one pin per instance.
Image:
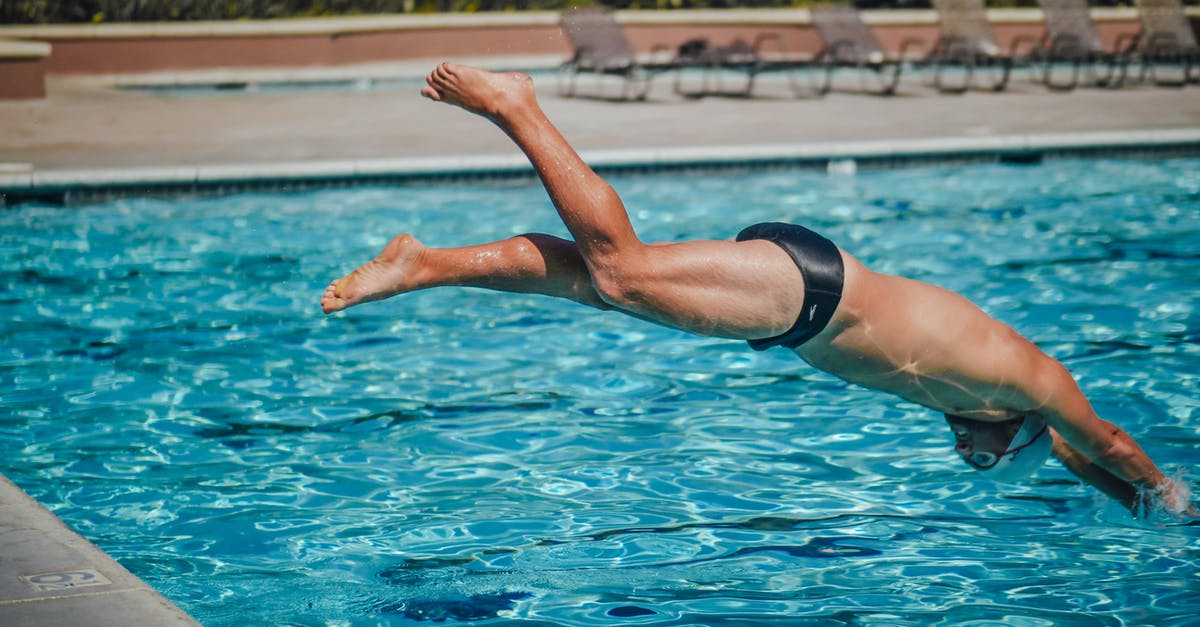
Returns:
(169, 387)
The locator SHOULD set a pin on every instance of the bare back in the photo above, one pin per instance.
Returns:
(927, 345)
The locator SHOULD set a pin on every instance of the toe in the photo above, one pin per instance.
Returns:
(331, 304)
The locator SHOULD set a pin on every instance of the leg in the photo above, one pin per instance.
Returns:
(733, 289)
(533, 264)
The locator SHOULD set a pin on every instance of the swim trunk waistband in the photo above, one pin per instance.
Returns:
(820, 264)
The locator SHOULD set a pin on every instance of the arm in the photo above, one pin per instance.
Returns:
(1098, 451)
(1105, 481)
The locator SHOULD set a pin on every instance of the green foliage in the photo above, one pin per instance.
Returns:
(85, 11)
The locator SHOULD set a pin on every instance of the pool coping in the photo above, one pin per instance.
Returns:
(51, 575)
(22, 183)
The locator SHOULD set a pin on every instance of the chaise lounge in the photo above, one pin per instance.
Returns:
(1167, 41)
(1072, 38)
(966, 41)
(601, 48)
(847, 42)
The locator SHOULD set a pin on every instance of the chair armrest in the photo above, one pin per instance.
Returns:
(693, 51)
(1063, 42)
(952, 45)
(581, 53)
(781, 50)
(763, 38)
(910, 42)
(1163, 40)
(844, 50)
(1032, 41)
(664, 52)
(1131, 41)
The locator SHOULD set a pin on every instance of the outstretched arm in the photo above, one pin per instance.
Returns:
(1105, 481)
(1100, 452)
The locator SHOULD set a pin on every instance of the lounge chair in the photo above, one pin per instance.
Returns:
(742, 57)
(966, 40)
(1071, 37)
(1167, 40)
(601, 48)
(848, 42)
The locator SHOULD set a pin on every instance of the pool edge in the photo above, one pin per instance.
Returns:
(52, 575)
(86, 185)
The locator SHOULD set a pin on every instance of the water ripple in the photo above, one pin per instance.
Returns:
(168, 386)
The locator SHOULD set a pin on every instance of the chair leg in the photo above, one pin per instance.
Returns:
(679, 89)
(750, 80)
(1062, 49)
(1112, 78)
(968, 68)
(1076, 66)
(1144, 70)
(820, 74)
(886, 75)
(1161, 81)
(890, 77)
(1122, 71)
(1000, 81)
(646, 79)
(794, 82)
(948, 56)
(1164, 50)
(566, 81)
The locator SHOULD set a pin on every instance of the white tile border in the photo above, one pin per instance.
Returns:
(18, 49)
(20, 181)
(90, 177)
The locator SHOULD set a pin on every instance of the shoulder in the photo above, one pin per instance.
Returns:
(1051, 390)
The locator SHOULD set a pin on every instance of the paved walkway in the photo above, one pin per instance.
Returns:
(88, 124)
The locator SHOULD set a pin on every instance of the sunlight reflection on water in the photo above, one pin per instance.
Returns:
(172, 391)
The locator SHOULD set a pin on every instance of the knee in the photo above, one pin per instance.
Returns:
(619, 283)
(530, 247)
(609, 289)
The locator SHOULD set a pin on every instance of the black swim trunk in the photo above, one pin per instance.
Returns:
(821, 266)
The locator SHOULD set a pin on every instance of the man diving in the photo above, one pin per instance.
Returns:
(1009, 404)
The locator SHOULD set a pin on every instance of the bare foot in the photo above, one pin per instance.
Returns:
(388, 274)
(490, 94)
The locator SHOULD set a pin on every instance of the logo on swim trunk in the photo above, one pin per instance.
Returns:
(812, 312)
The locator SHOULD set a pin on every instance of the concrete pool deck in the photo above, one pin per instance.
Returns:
(88, 132)
(49, 575)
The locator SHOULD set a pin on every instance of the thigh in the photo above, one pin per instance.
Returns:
(740, 290)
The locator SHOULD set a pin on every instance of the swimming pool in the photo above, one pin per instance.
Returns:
(170, 389)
